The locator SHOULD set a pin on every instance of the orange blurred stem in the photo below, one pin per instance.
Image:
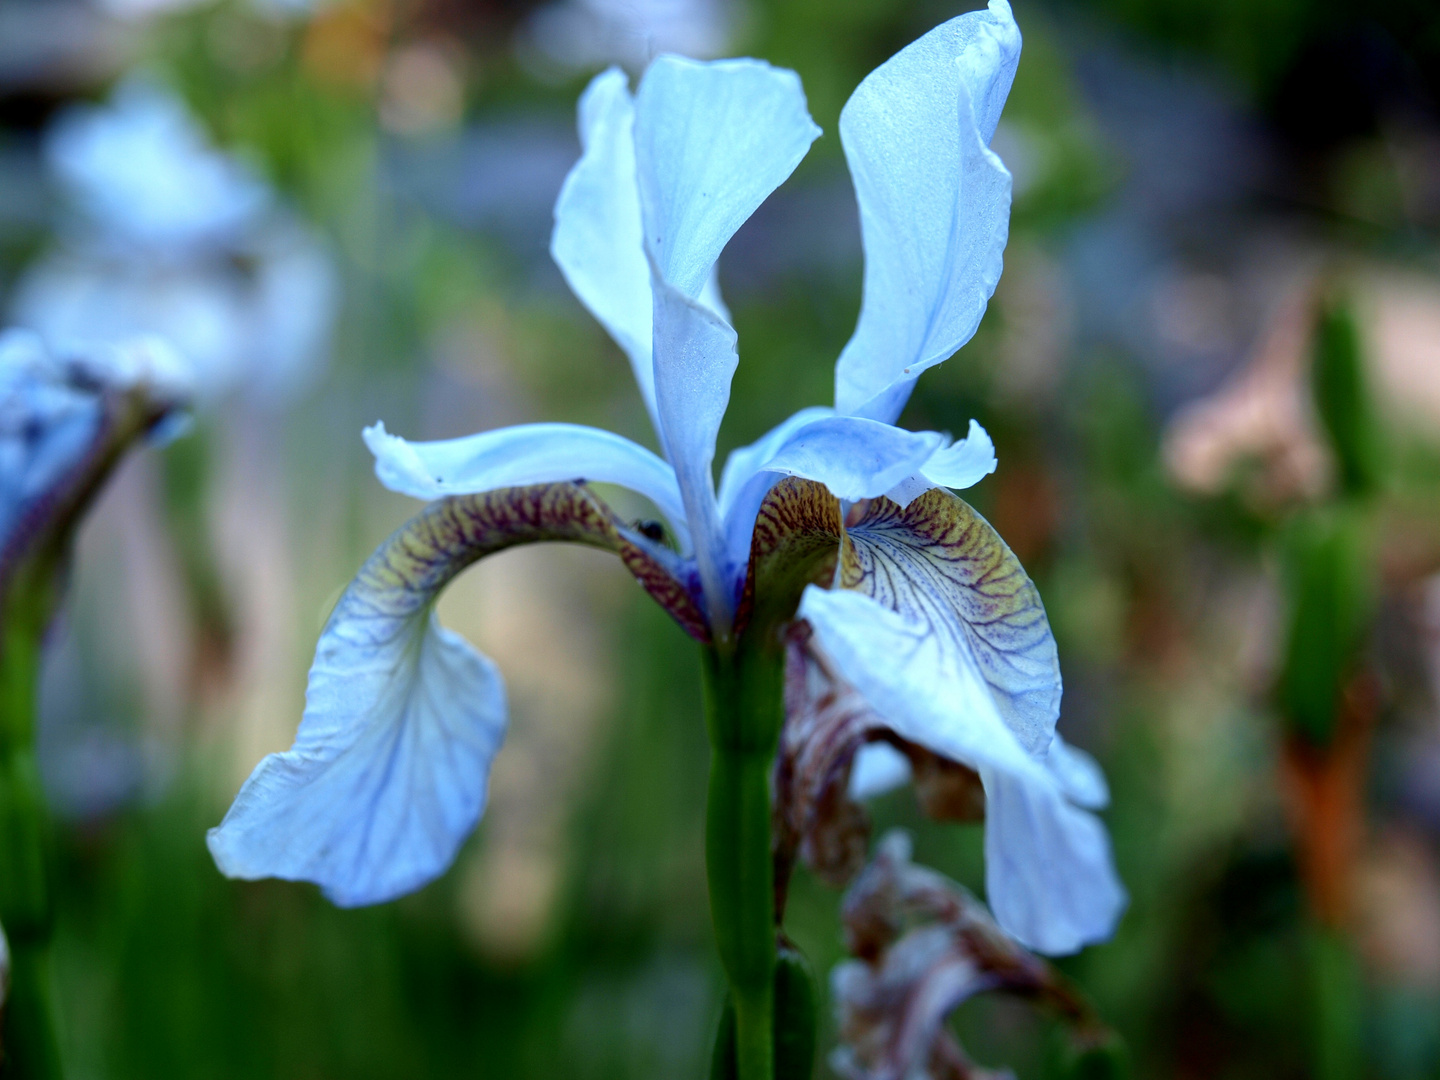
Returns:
(1325, 788)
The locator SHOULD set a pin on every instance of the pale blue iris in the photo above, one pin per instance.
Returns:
(668, 174)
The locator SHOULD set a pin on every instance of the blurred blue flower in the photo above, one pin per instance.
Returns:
(168, 236)
(63, 420)
(932, 620)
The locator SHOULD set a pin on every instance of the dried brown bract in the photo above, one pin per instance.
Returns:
(925, 945)
(826, 724)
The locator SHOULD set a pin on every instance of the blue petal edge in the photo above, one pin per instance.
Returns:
(391, 764)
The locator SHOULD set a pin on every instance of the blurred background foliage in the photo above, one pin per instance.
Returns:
(1212, 373)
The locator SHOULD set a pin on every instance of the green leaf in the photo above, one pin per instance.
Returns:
(1330, 587)
(1343, 400)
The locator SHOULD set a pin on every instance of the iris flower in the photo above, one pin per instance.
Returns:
(909, 596)
(65, 422)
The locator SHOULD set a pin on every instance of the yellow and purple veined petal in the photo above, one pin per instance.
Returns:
(390, 766)
(933, 624)
(854, 457)
(934, 203)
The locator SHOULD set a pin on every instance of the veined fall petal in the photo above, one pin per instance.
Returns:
(1049, 877)
(403, 718)
(936, 629)
(940, 564)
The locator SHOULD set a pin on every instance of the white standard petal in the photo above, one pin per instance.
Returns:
(695, 360)
(934, 203)
(390, 766)
(712, 140)
(525, 454)
(598, 242)
(1049, 875)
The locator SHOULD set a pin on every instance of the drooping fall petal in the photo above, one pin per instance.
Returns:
(403, 718)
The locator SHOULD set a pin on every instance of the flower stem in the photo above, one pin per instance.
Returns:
(28, 1038)
(744, 708)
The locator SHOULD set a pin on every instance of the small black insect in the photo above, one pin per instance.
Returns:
(651, 530)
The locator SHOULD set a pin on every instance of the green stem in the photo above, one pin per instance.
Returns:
(744, 708)
(1337, 1006)
(28, 1037)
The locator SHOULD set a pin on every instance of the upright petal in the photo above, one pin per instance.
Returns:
(934, 203)
(695, 360)
(712, 140)
(402, 718)
(598, 242)
(524, 454)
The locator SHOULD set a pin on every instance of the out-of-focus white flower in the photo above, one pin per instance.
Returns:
(170, 237)
(573, 35)
(141, 10)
